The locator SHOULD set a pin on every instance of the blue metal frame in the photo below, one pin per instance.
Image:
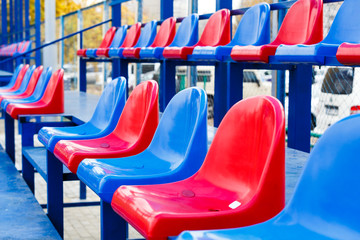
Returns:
(4, 39)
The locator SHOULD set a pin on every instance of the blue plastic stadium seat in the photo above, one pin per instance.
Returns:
(13, 78)
(103, 121)
(345, 28)
(253, 29)
(163, 39)
(118, 39)
(325, 203)
(24, 83)
(146, 38)
(176, 152)
(131, 39)
(38, 92)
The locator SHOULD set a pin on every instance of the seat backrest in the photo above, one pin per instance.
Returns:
(166, 33)
(254, 27)
(20, 77)
(217, 30)
(187, 33)
(26, 46)
(345, 27)
(303, 23)
(34, 80)
(109, 35)
(14, 77)
(42, 83)
(110, 104)
(132, 36)
(247, 154)
(140, 115)
(328, 189)
(119, 37)
(26, 79)
(147, 35)
(182, 130)
(54, 92)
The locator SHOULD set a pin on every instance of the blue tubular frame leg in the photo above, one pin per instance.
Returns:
(28, 171)
(4, 22)
(9, 136)
(300, 107)
(220, 4)
(220, 92)
(167, 83)
(166, 9)
(37, 32)
(112, 225)
(82, 77)
(55, 200)
(234, 84)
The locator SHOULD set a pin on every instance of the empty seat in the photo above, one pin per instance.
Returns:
(163, 38)
(131, 39)
(324, 205)
(28, 90)
(216, 33)
(241, 182)
(102, 122)
(118, 39)
(12, 81)
(23, 47)
(253, 29)
(345, 28)
(38, 92)
(176, 152)
(51, 102)
(19, 78)
(132, 135)
(303, 24)
(145, 40)
(24, 83)
(105, 43)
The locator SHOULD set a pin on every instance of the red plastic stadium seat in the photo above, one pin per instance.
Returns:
(19, 80)
(302, 25)
(51, 102)
(241, 182)
(132, 135)
(130, 40)
(216, 33)
(30, 87)
(166, 33)
(348, 54)
(109, 35)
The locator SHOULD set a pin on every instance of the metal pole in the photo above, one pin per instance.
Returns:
(38, 31)
(192, 71)
(139, 19)
(21, 20)
(62, 34)
(11, 20)
(4, 34)
(27, 20)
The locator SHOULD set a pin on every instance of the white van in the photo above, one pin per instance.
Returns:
(339, 96)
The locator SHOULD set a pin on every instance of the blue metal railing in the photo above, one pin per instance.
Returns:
(56, 41)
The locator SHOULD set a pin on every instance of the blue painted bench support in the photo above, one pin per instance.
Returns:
(16, 201)
(78, 109)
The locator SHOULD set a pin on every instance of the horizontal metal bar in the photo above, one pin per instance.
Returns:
(55, 41)
(76, 204)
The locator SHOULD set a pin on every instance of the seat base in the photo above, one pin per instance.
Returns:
(177, 52)
(315, 53)
(151, 53)
(253, 53)
(348, 54)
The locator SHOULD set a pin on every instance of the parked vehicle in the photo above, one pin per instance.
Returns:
(339, 96)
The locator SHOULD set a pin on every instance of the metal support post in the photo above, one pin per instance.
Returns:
(166, 9)
(220, 4)
(167, 83)
(37, 32)
(4, 22)
(55, 201)
(9, 136)
(112, 224)
(300, 107)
